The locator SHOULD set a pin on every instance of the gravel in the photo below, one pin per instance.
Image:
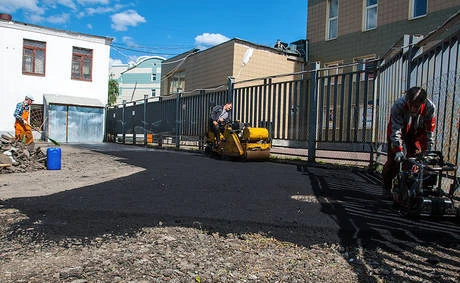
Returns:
(44, 245)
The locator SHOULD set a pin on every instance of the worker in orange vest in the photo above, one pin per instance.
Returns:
(23, 131)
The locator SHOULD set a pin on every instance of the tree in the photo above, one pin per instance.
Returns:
(113, 92)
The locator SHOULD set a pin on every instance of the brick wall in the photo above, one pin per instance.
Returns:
(392, 24)
(211, 68)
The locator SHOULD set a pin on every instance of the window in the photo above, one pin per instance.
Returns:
(82, 64)
(154, 77)
(418, 8)
(176, 81)
(370, 18)
(153, 92)
(332, 19)
(34, 55)
(332, 69)
(363, 66)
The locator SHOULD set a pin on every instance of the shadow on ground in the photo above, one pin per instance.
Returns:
(189, 190)
(366, 220)
(305, 205)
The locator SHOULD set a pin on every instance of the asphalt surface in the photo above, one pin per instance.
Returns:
(297, 202)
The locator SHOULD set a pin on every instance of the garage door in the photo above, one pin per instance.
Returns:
(76, 124)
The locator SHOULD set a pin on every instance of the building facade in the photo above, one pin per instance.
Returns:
(210, 69)
(342, 32)
(65, 72)
(139, 79)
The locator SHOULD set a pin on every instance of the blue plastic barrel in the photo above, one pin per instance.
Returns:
(53, 158)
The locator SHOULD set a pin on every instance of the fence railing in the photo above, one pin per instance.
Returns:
(341, 112)
(338, 112)
(436, 69)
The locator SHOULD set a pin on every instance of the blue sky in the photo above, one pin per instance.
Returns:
(167, 28)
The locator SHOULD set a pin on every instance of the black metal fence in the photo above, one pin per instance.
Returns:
(431, 63)
(331, 116)
(338, 113)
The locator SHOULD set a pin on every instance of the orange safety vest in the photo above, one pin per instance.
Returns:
(23, 132)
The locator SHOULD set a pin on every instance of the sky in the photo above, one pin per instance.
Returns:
(167, 28)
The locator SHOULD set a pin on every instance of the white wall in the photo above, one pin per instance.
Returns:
(14, 85)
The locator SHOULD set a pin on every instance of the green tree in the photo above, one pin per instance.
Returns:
(113, 92)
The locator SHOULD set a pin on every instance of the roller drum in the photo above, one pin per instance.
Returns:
(257, 154)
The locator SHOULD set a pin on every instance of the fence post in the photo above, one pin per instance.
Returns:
(412, 51)
(313, 113)
(123, 122)
(145, 119)
(179, 92)
(133, 113)
(231, 82)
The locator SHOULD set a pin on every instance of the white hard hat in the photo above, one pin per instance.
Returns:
(30, 97)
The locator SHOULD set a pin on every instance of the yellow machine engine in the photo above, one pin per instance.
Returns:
(240, 141)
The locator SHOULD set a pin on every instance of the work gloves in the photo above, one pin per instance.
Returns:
(399, 156)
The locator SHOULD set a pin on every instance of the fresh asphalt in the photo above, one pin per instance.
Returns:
(298, 202)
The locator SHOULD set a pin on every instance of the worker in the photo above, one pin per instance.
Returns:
(23, 131)
(220, 116)
(411, 126)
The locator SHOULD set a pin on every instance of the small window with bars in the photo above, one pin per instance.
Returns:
(334, 71)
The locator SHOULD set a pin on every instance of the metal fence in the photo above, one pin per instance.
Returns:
(339, 113)
(435, 67)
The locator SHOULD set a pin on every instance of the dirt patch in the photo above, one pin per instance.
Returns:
(42, 240)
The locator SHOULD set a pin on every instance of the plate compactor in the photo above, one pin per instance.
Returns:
(240, 141)
(420, 189)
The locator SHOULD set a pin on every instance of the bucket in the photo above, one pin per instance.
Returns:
(53, 158)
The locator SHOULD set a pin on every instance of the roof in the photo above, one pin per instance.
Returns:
(141, 60)
(145, 58)
(447, 28)
(272, 49)
(26, 26)
(241, 41)
(72, 100)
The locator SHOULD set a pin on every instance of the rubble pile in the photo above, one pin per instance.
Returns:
(15, 156)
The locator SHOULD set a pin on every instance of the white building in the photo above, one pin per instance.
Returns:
(66, 72)
(117, 69)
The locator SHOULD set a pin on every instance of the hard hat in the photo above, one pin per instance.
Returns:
(30, 97)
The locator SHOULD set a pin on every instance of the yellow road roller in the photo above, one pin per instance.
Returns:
(240, 141)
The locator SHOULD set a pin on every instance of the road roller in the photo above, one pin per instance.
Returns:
(240, 141)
